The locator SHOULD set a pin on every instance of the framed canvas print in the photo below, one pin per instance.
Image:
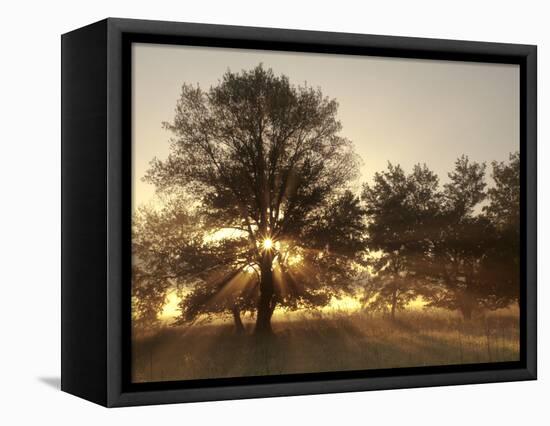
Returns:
(251, 212)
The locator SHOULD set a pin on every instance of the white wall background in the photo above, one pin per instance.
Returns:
(30, 211)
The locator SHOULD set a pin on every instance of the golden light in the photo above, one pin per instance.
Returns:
(295, 259)
(249, 269)
(267, 243)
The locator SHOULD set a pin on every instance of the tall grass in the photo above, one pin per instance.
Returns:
(326, 342)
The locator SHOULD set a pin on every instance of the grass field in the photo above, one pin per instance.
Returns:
(326, 342)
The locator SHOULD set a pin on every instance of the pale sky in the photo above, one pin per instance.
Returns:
(406, 111)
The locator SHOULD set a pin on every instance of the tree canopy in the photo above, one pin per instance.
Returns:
(442, 244)
(400, 211)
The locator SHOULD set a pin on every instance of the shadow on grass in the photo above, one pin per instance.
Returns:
(334, 342)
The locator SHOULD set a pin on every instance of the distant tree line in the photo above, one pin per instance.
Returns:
(456, 246)
(258, 213)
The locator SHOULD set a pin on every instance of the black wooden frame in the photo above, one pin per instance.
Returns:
(96, 182)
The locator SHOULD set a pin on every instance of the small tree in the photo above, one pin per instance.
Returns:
(501, 266)
(459, 245)
(400, 209)
(391, 289)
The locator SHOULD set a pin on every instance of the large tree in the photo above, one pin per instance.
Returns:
(265, 158)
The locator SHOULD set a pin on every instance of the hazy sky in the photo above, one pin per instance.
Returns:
(401, 110)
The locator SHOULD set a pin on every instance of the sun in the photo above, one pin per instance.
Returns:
(267, 243)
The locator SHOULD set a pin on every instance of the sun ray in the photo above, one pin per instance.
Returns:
(234, 286)
(280, 282)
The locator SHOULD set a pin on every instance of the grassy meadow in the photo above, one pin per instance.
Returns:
(317, 342)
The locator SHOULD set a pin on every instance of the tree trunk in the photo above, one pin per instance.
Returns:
(467, 305)
(239, 327)
(393, 304)
(265, 302)
(466, 312)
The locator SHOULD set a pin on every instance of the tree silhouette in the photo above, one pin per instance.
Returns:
(501, 265)
(400, 210)
(441, 244)
(459, 245)
(264, 158)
